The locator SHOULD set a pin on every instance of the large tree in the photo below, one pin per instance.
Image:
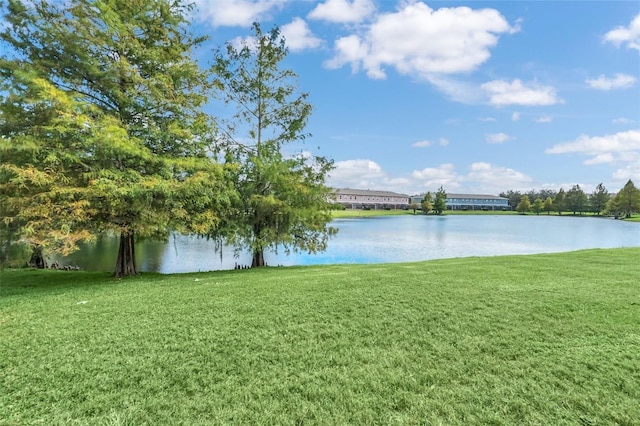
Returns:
(576, 200)
(559, 201)
(627, 201)
(599, 199)
(548, 205)
(132, 153)
(284, 197)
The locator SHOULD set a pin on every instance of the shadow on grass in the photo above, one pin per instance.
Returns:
(21, 282)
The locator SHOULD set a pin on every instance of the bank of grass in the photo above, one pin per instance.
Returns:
(356, 213)
(543, 339)
(480, 212)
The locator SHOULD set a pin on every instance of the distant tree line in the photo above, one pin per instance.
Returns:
(622, 204)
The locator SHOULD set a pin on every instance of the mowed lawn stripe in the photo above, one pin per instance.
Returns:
(540, 339)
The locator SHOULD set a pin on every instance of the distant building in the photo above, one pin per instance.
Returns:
(470, 202)
(367, 199)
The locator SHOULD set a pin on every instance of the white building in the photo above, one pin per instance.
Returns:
(367, 199)
(470, 202)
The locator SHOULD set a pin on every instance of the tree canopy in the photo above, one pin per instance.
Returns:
(426, 203)
(116, 138)
(627, 201)
(524, 205)
(284, 199)
(599, 199)
(537, 206)
(576, 200)
(440, 201)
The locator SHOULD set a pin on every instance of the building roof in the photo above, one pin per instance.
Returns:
(476, 196)
(468, 196)
(349, 191)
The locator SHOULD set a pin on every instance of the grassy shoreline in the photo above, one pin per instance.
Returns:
(537, 339)
(340, 214)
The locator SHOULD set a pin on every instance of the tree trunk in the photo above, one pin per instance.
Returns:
(37, 258)
(126, 261)
(258, 259)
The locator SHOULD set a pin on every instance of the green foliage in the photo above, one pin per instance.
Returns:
(427, 204)
(559, 201)
(627, 201)
(440, 202)
(599, 199)
(576, 200)
(537, 206)
(513, 197)
(547, 339)
(524, 205)
(284, 199)
(102, 123)
(548, 205)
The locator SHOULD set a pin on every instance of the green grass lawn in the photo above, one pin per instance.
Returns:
(544, 339)
(368, 213)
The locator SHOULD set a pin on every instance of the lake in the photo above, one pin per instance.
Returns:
(386, 239)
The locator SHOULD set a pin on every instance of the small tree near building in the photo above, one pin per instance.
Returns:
(440, 203)
(524, 205)
(414, 207)
(537, 206)
(514, 197)
(426, 203)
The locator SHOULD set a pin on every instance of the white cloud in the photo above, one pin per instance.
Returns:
(351, 49)
(620, 142)
(482, 178)
(364, 174)
(419, 41)
(619, 81)
(497, 138)
(235, 12)
(622, 120)
(544, 119)
(605, 158)
(457, 90)
(516, 93)
(431, 178)
(426, 143)
(626, 35)
(515, 116)
(629, 171)
(620, 150)
(487, 178)
(487, 119)
(298, 36)
(343, 11)
(421, 144)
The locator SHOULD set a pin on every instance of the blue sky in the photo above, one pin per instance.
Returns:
(478, 97)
